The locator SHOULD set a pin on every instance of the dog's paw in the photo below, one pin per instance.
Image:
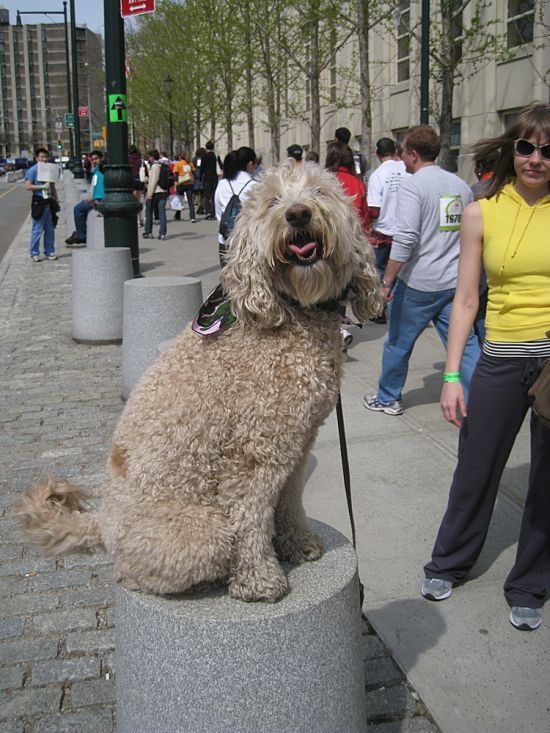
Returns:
(257, 586)
(298, 549)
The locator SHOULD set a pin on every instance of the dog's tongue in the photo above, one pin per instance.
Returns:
(304, 250)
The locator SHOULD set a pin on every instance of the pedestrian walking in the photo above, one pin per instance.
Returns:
(507, 233)
(421, 273)
(209, 169)
(136, 163)
(343, 135)
(158, 185)
(339, 161)
(44, 208)
(184, 170)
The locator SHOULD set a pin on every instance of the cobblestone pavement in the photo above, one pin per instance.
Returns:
(59, 404)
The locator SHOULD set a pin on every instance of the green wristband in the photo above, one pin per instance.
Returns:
(451, 377)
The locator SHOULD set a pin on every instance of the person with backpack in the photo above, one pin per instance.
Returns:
(158, 186)
(236, 184)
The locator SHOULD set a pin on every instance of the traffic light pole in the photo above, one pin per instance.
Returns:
(119, 206)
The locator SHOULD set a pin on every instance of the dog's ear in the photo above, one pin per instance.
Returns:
(364, 294)
(246, 281)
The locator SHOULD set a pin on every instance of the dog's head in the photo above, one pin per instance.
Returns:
(298, 240)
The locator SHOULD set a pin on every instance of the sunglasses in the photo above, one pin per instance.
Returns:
(526, 149)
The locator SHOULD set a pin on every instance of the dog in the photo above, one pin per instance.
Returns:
(205, 477)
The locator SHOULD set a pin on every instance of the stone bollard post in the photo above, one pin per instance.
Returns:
(206, 662)
(155, 309)
(98, 277)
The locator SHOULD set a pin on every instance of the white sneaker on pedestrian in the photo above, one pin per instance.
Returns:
(51, 257)
(525, 619)
(36, 258)
(389, 408)
(436, 589)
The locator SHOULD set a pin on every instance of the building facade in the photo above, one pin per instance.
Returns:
(484, 100)
(33, 87)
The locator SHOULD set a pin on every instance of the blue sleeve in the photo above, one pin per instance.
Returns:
(30, 175)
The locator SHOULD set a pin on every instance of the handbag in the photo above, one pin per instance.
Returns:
(540, 393)
(176, 204)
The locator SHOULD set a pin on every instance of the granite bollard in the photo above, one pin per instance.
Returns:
(155, 309)
(98, 276)
(204, 662)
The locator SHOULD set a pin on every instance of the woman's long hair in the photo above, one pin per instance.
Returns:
(339, 155)
(533, 119)
(237, 160)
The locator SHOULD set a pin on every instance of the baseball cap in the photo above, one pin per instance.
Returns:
(295, 151)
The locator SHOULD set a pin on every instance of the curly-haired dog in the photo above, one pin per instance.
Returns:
(205, 476)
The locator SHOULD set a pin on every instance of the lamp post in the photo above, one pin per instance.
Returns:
(168, 82)
(78, 171)
(119, 206)
(67, 62)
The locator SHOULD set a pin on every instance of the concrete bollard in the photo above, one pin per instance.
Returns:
(98, 277)
(95, 237)
(155, 309)
(206, 662)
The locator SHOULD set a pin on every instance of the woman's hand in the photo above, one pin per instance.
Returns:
(453, 404)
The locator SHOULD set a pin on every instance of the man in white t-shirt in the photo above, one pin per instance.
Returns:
(383, 186)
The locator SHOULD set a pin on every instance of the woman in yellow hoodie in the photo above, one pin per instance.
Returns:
(508, 233)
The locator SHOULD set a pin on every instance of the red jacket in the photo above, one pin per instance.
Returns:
(354, 186)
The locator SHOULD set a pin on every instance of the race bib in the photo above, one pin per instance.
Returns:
(450, 212)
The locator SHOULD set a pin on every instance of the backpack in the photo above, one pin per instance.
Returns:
(165, 177)
(234, 205)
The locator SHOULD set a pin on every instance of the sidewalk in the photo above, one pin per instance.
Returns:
(60, 402)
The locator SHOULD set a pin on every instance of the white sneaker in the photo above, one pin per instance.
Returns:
(389, 408)
(436, 589)
(525, 619)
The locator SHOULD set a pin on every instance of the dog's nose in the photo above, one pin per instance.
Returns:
(298, 215)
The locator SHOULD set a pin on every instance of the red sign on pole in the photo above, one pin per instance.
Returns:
(83, 111)
(129, 8)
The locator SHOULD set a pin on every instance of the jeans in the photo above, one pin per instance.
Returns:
(410, 313)
(158, 201)
(188, 193)
(381, 256)
(81, 211)
(44, 224)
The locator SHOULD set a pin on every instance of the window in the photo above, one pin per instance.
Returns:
(509, 117)
(455, 141)
(520, 22)
(403, 40)
(399, 134)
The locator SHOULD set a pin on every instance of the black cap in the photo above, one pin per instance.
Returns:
(295, 151)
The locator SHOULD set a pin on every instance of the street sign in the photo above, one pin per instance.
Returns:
(83, 111)
(118, 111)
(69, 119)
(129, 8)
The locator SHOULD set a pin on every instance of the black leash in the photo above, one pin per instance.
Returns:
(347, 483)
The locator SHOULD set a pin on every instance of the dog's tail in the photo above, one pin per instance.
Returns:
(55, 518)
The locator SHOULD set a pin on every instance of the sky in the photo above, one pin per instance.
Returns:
(89, 13)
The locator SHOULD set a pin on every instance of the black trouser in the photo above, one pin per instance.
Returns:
(497, 405)
(209, 191)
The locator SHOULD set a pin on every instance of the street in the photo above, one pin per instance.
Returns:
(15, 204)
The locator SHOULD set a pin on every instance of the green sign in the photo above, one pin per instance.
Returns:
(118, 111)
(69, 119)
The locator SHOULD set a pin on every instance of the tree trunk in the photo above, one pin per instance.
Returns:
(249, 95)
(313, 78)
(446, 158)
(364, 76)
